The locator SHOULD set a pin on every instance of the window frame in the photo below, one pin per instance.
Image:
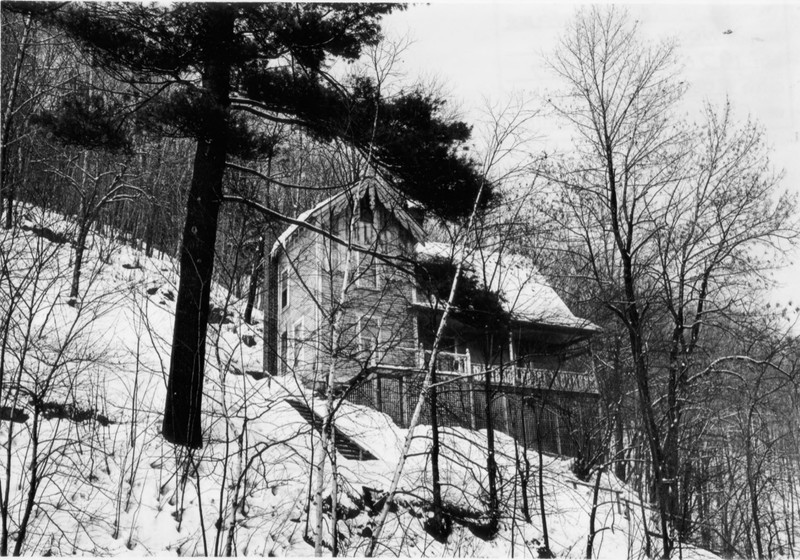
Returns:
(284, 352)
(284, 288)
(367, 275)
(297, 344)
(363, 324)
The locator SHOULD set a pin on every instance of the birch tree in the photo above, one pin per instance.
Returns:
(505, 133)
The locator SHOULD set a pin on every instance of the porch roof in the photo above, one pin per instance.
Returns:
(525, 292)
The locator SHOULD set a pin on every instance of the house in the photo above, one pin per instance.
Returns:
(350, 299)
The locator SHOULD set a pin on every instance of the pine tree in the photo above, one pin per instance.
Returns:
(213, 72)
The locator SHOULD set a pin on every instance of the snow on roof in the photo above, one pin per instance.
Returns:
(526, 293)
(283, 238)
(390, 198)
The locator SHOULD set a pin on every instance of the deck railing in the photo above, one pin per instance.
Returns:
(556, 380)
(524, 375)
(564, 423)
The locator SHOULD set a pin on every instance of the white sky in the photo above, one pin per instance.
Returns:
(488, 50)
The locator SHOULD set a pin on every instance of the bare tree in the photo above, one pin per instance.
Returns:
(95, 188)
(10, 92)
(35, 67)
(671, 216)
(44, 380)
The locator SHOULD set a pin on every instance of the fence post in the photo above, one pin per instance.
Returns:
(471, 389)
(557, 416)
(506, 413)
(378, 395)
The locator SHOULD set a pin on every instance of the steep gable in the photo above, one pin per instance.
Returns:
(337, 204)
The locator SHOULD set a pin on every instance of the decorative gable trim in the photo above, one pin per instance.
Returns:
(377, 191)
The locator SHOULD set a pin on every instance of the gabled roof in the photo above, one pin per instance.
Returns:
(525, 292)
(377, 190)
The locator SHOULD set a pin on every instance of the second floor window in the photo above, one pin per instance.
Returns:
(364, 234)
(284, 288)
(369, 338)
(365, 225)
(367, 272)
(284, 351)
(298, 338)
(365, 213)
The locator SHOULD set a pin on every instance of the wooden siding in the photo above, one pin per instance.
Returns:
(373, 317)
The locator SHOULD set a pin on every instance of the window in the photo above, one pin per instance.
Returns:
(367, 272)
(449, 359)
(298, 339)
(364, 234)
(284, 351)
(365, 226)
(284, 288)
(341, 226)
(335, 257)
(365, 213)
(369, 334)
(376, 274)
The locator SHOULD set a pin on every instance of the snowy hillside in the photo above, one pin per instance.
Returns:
(86, 471)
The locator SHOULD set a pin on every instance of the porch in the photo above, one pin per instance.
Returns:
(518, 374)
(556, 411)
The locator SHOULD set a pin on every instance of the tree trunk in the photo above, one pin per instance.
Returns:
(149, 232)
(491, 462)
(255, 275)
(518, 429)
(593, 515)
(6, 183)
(652, 433)
(334, 491)
(185, 387)
(620, 462)
(182, 414)
(80, 247)
(33, 484)
(436, 480)
(623, 239)
(327, 444)
(8, 116)
(546, 553)
(752, 486)
(319, 522)
(524, 466)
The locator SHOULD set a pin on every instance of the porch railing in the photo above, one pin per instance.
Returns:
(556, 380)
(524, 375)
(557, 422)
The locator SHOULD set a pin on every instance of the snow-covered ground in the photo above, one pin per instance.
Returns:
(107, 483)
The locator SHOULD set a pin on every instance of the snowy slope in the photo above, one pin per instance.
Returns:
(107, 483)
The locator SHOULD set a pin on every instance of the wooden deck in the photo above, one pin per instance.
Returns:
(553, 416)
